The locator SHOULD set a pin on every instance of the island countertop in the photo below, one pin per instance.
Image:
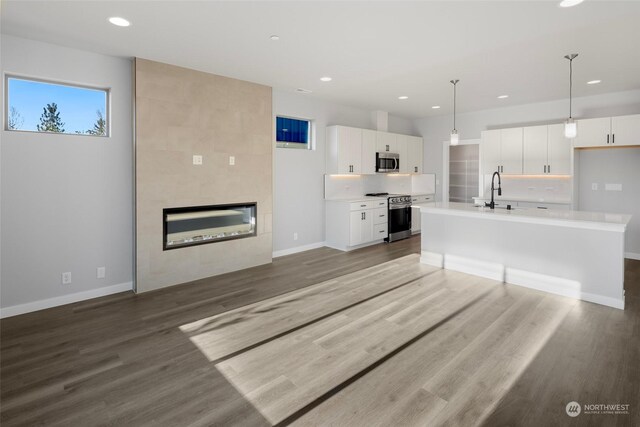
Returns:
(575, 219)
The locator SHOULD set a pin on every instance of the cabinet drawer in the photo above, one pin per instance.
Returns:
(380, 203)
(356, 206)
(380, 216)
(380, 231)
(421, 199)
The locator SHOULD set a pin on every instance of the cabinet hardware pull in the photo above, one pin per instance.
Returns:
(613, 138)
(365, 215)
(545, 168)
(549, 168)
(415, 169)
(607, 138)
(381, 231)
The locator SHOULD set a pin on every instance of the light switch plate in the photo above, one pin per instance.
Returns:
(232, 160)
(197, 159)
(101, 272)
(594, 186)
(613, 187)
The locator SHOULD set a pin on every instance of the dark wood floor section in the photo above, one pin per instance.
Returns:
(124, 360)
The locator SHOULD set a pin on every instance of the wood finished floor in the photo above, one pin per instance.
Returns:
(369, 337)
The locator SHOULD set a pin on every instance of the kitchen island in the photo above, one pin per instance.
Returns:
(572, 253)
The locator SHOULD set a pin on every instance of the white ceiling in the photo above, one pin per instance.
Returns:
(375, 51)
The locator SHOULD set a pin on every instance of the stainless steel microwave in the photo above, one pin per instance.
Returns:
(387, 162)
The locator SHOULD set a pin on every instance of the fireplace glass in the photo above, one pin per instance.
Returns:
(198, 225)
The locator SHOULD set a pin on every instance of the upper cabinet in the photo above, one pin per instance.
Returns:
(415, 148)
(353, 150)
(502, 151)
(608, 132)
(344, 150)
(546, 151)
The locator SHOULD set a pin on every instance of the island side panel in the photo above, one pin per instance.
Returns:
(589, 264)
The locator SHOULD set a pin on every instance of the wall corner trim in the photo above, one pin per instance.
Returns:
(29, 307)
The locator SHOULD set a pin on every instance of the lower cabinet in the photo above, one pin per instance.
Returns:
(351, 224)
(415, 211)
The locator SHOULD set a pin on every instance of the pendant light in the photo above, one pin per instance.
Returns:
(454, 133)
(570, 126)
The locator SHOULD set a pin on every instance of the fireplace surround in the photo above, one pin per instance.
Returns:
(198, 225)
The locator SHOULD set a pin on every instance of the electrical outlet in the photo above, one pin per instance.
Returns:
(101, 272)
(66, 278)
(197, 159)
(594, 186)
(295, 236)
(232, 160)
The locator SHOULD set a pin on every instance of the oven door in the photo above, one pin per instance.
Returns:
(399, 219)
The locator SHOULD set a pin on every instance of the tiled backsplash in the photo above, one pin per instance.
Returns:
(347, 186)
(539, 189)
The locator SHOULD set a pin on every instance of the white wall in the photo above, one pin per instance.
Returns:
(66, 199)
(435, 130)
(298, 174)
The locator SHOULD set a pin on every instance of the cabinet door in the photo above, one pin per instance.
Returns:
(593, 133)
(349, 150)
(368, 157)
(414, 154)
(401, 147)
(490, 151)
(355, 227)
(559, 150)
(511, 150)
(366, 230)
(386, 141)
(625, 130)
(534, 150)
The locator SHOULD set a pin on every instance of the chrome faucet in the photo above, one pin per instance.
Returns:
(492, 205)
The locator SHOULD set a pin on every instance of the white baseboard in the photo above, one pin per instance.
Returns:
(558, 286)
(490, 270)
(432, 258)
(632, 255)
(63, 300)
(297, 249)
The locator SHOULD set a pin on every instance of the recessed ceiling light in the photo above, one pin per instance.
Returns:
(326, 79)
(435, 107)
(403, 97)
(120, 22)
(570, 3)
(503, 96)
(301, 90)
(275, 37)
(593, 82)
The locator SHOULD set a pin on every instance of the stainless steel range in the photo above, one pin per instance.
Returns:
(399, 214)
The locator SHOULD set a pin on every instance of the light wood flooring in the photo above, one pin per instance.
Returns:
(366, 338)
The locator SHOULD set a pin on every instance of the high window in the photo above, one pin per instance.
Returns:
(293, 133)
(48, 107)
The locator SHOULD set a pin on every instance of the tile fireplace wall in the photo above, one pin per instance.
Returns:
(181, 113)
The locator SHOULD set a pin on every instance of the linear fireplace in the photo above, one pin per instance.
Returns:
(197, 225)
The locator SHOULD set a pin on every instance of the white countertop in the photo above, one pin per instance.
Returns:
(523, 199)
(577, 219)
(357, 199)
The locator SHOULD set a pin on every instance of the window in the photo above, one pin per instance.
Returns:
(293, 133)
(39, 106)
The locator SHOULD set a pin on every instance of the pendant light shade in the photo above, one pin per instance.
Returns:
(570, 126)
(454, 133)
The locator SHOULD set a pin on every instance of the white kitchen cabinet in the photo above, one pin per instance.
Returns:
(511, 150)
(415, 211)
(559, 151)
(344, 150)
(414, 155)
(368, 152)
(502, 151)
(546, 150)
(608, 132)
(386, 141)
(353, 224)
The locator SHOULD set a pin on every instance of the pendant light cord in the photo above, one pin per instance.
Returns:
(454, 83)
(570, 85)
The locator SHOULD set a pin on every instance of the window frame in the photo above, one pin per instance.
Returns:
(296, 145)
(106, 90)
